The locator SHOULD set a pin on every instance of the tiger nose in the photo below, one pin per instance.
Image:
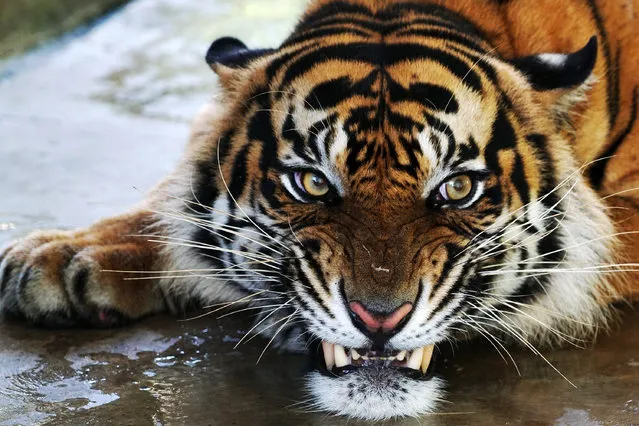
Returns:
(380, 321)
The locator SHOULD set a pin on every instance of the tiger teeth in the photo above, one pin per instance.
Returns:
(420, 359)
(415, 359)
(427, 358)
(329, 354)
(338, 356)
(341, 360)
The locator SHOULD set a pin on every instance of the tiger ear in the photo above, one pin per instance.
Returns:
(549, 71)
(228, 56)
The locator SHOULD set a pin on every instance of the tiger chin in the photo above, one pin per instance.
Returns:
(395, 175)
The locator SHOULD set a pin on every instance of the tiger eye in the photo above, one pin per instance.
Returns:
(314, 184)
(458, 188)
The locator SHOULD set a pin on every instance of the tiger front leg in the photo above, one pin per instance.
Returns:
(60, 279)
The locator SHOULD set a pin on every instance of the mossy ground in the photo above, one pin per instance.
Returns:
(24, 24)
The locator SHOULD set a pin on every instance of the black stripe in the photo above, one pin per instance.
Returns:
(503, 137)
(544, 162)
(297, 140)
(329, 10)
(239, 174)
(468, 151)
(444, 128)
(449, 264)
(381, 54)
(394, 11)
(329, 94)
(518, 178)
(316, 33)
(597, 171)
(449, 35)
(611, 73)
(308, 288)
(432, 96)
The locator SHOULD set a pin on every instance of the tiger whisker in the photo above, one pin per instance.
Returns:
(188, 243)
(492, 253)
(205, 276)
(197, 203)
(541, 218)
(244, 299)
(611, 265)
(585, 270)
(491, 339)
(545, 310)
(221, 173)
(264, 319)
(605, 237)
(563, 336)
(625, 191)
(213, 230)
(249, 308)
(255, 335)
(535, 237)
(288, 319)
(521, 338)
(525, 207)
(293, 232)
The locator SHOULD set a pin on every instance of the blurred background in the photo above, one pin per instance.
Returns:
(96, 97)
(25, 24)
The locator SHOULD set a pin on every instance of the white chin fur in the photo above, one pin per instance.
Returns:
(375, 396)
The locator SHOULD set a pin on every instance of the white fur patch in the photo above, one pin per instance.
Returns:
(371, 394)
(556, 60)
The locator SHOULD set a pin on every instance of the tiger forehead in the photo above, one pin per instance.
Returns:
(391, 125)
(383, 101)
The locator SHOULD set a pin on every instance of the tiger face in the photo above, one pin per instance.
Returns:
(389, 183)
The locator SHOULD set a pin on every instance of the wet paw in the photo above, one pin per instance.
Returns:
(58, 280)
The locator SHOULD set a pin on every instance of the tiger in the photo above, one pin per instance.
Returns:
(396, 175)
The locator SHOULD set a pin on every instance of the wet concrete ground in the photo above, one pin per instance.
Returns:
(165, 371)
(85, 127)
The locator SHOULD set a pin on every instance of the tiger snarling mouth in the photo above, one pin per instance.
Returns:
(417, 364)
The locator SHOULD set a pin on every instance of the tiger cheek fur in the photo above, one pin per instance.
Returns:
(395, 175)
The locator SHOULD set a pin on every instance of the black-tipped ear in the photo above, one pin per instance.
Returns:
(231, 52)
(549, 71)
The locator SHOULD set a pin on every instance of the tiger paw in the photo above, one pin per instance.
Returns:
(63, 279)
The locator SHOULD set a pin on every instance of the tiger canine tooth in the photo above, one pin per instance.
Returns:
(341, 360)
(329, 354)
(415, 359)
(354, 354)
(427, 357)
(400, 356)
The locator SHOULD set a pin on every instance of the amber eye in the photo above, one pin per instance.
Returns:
(457, 188)
(313, 184)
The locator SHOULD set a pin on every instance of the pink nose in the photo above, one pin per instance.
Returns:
(375, 322)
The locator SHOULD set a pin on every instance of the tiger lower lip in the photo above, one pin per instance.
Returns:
(337, 356)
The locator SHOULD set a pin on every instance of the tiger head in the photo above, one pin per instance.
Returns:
(388, 181)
